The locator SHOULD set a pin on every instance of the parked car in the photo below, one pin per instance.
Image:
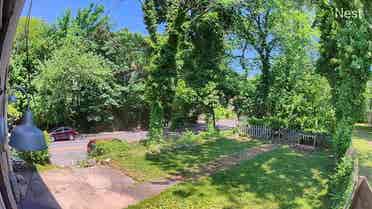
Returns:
(63, 133)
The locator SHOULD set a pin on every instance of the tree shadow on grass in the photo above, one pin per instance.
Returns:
(184, 161)
(363, 132)
(282, 177)
(362, 142)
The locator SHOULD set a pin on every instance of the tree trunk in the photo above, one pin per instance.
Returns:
(262, 104)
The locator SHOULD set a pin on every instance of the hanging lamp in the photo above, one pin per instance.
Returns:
(26, 136)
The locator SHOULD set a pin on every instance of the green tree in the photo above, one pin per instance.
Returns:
(345, 60)
(90, 23)
(256, 31)
(194, 29)
(22, 70)
(161, 81)
(75, 87)
(130, 53)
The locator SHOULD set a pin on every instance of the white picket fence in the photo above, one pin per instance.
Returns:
(285, 136)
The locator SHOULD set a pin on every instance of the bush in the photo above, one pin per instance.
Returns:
(272, 122)
(341, 184)
(106, 147)
(224, 113)
(37, 157)
(13, 114)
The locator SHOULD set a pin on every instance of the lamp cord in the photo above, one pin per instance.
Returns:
(27, 35)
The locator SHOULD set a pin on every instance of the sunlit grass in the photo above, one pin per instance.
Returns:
(137, 161)
(44, 168)
(362, 142)
(282, 178)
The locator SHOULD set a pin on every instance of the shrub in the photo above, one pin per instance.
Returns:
(256, 121)
(272, 122)
(224, 113)
(341, 184)
(37, 157)
(13, 114)
(106, 147)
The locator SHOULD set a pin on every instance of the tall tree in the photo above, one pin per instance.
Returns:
(23, 69)
(90, 22)
(255, 28)
(191, 26)
(75, 87)
(162, 73)
(130, 53)
(345, 60)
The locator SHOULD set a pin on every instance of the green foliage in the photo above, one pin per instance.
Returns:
(90, 23)
(106, 147)
(345, 61)
(130, 54)
(341, 184)
(126, 55)
(281, 35)
(150, 18)
(243, 102)
(13, 114)
(156, 122)
(272, 122)
(75, 87)
(160, 84)
(255, 28)
(342, 137)
(183, 107)
(37, 157)
(305, 100)
(190, 51)
(21, 71)
(224, 113)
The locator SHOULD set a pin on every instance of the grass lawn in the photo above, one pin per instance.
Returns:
(136, 161)
(282, 179)
(362, 142)
(44, 168)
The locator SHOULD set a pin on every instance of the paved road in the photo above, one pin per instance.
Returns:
(69, 153)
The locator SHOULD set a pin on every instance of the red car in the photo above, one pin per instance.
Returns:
(63, 133)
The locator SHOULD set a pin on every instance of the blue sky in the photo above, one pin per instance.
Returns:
(123, 13)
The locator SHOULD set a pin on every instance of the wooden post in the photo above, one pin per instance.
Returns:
(10, 11)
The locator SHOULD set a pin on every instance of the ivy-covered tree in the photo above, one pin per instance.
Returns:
(193, 28)
(161, 80)
(345, 60)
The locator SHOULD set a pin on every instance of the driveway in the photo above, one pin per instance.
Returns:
(85, 188)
